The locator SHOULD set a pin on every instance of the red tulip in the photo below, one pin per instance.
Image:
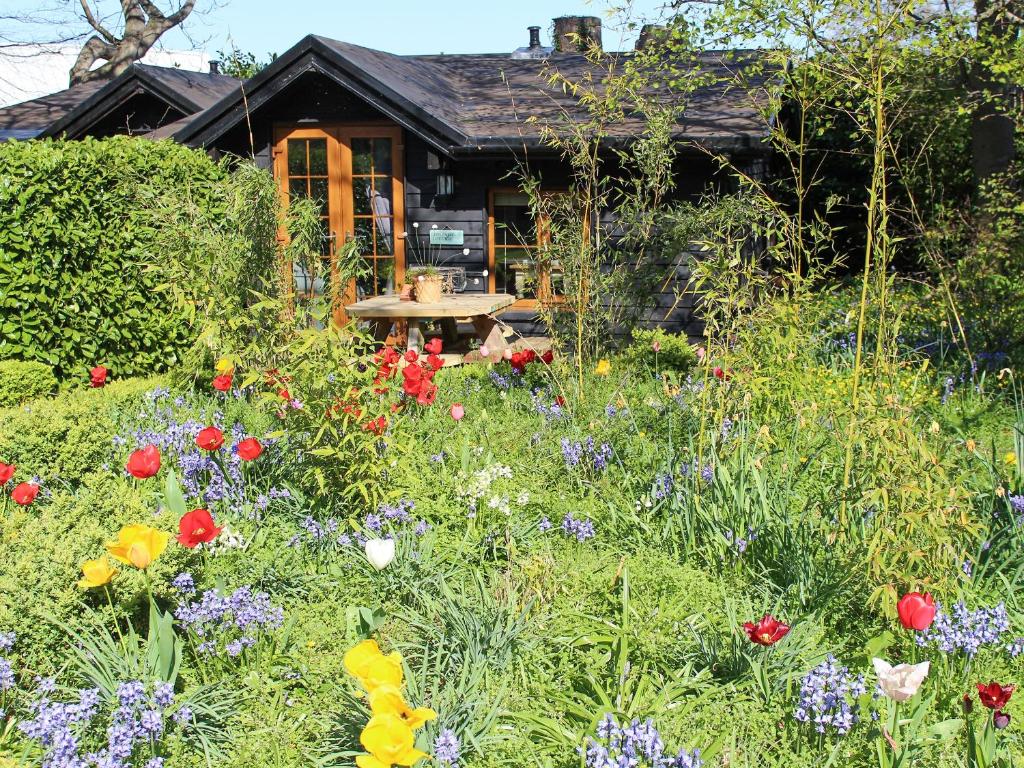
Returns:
(518, 361)
(25, 493)
(436, 362)
(144, 462)
(767, 631)
(98, 376)
(210, 439)
(458, 411)
(427, 394)
(719, 372)
(413, 380)
(994, 695)
(560, 401)
(284, 394)
(916, 611)
(222, 383)
(547, 357)
(411, 356)
(433, 346)
(377, 426)
(249, 449)
(6, 473)
(197, 527)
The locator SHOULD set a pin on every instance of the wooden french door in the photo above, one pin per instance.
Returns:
(355, 172)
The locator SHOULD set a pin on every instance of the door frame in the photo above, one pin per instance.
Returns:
(339, 185)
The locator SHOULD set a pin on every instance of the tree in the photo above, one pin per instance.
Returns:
(142, 25)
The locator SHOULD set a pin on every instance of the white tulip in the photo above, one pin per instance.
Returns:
(380, 552)
(901, 682)
(484, 350)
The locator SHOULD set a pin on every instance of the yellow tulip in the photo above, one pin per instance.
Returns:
(972, 446)
(96, 573)
(390, 742)
(371, 668)
(225, 366)
(603, 368)
(138, 545)
(1010, 458)
(388, 700)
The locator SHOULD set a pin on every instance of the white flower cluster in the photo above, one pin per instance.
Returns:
(479, 484)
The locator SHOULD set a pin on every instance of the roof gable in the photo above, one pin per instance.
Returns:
(30, 118)
(184, 92)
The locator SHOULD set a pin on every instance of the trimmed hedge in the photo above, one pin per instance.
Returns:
(22, 381)
(74, 234)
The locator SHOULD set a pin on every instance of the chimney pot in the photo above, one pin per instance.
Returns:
(577, 33)
(214, 67)
(534, 37)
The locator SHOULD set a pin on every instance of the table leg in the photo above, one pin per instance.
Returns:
(488, 330)
(381, 329)
(449, 330)
(415, 335)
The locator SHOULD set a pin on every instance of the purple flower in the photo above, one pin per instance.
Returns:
(581, 530)
(828, 698)
(447, 748)
(184, 583)
(965, 631)
(639, 745)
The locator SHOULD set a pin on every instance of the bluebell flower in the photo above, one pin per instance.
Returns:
(828, 698)
(581, 530)
(447, 748)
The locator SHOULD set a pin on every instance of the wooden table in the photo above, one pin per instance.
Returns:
(480, 308)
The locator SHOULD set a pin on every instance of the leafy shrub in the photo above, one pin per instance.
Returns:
(670, 351)
(73, 291)
(21, 381)
(68, 437)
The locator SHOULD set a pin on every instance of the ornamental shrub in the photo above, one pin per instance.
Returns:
(68, 437)
(674, 352)
(74, 291)
(21, 381)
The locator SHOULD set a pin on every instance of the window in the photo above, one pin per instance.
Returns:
(515, 263)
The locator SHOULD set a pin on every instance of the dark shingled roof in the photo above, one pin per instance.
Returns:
(188, 92)
(471, 102)
(30, 118)
(78, 106)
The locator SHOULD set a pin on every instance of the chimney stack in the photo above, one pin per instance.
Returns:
(534, 37)
(577, 33)
(214, 67)
(650, 33)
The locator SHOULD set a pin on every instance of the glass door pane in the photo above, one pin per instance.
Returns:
(373, 212)
(308, 176)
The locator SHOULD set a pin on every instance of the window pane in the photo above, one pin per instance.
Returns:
(513, 225)
(364, 236)
(382, 200)
(296, 157)
(517, 199)
(362, 156)
(297, 188)
(318, 157)
(318, 191)
(362, 195)
(382, 156)
(515, 272)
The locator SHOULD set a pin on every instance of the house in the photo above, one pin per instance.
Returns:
(413, 156)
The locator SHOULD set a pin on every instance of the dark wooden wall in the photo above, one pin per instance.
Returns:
(313, 98)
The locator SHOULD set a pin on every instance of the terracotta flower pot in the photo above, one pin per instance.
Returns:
(406, 294)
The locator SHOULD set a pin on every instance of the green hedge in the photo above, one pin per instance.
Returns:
(22, 381)
(75, 232)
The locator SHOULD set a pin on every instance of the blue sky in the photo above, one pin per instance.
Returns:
(398, 26)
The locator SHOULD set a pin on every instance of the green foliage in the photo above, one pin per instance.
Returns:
(74, 230)
(24, 380)
(64, 439)
(664, 350)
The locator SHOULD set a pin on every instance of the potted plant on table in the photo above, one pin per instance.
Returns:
(428, 284)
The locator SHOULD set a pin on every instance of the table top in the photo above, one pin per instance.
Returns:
(450, 305)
